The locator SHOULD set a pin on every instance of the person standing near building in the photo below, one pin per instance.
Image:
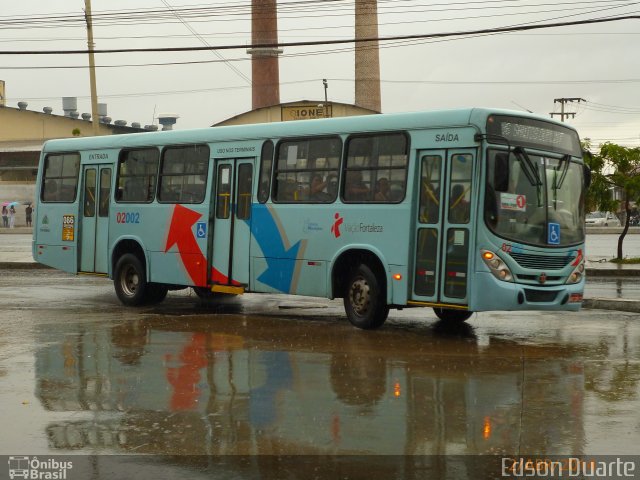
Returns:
(12, 216)
(28, 211)
(5, 216)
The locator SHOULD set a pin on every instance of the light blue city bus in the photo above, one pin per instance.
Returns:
(463, 211)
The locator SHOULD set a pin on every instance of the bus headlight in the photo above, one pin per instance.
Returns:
(577, 274)
(497, 267)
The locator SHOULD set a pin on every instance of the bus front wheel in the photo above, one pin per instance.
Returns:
(364, 299)
(130, 281)
(450, 315)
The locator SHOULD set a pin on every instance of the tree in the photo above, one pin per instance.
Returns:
(614, 166)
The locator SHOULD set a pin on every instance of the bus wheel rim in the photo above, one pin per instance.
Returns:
(359, 294)
(130, 281)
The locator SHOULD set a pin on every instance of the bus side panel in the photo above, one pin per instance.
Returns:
(293, 246)
(285, 275)
(177, 268)
(56, 236)
(168, 234)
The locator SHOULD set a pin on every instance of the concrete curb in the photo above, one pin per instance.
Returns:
(22, 266)
(619, 304)
(613, 272)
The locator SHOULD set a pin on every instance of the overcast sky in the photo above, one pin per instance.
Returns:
(526, 70)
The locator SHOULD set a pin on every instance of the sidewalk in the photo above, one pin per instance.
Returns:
(15, 253)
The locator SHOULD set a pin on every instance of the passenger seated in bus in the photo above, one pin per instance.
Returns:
(458, 205)
(383, 190)
(355, 188)
(317, 189)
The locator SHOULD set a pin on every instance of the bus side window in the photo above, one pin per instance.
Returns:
(137, 174)
(304, 169)
(183, 174)
(376, 168)
(266, 162)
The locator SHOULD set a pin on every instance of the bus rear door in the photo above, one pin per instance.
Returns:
(229, 244)
(94, 225)
(443, 235)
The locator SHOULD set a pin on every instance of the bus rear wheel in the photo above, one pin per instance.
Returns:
(130, 281)
(451, 315)
(365, 299)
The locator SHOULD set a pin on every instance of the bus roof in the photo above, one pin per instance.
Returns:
(327, 126)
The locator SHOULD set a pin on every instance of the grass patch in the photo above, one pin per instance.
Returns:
(626, 261)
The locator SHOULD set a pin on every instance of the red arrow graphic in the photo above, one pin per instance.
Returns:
(181, 234)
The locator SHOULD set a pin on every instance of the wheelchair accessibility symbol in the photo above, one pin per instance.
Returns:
(554, 234)
(201, 230)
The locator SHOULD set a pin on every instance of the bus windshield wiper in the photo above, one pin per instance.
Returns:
(529, 169)
(565, 161)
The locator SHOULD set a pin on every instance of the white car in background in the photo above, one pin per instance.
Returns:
(602, 219)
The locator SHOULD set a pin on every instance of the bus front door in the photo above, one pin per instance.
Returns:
(94, 225)
(444, 227)
(229, 244)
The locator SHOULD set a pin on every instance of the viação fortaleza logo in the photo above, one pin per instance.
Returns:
(38, 468)
(339, 226)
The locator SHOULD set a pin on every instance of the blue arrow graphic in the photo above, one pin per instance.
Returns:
(280, 261)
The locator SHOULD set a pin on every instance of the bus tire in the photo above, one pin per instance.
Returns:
(130, 281)
(365, 299)
(451, 315)
(156, 293)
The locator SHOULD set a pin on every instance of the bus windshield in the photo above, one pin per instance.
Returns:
(533, 199)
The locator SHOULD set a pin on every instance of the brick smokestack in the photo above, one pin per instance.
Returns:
(367, 56)
(265, 76)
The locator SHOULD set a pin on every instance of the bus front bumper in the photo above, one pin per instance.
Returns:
(493, 294)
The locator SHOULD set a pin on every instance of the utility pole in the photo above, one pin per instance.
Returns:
(563, 102)
(92, 69)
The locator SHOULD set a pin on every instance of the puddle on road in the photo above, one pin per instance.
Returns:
(237, 384)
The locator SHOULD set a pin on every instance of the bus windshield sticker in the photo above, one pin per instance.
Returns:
(513, 202)
(554, 234)
(458, 237)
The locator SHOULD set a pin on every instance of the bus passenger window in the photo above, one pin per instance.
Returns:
(137, 174)
(306, 169)
(266, 161)
(183, 174)
(376, 168)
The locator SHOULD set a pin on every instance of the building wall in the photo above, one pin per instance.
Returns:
(283, 112)
(21, 125)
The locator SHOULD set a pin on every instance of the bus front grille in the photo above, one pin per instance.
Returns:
(541, 262)
(539, 296)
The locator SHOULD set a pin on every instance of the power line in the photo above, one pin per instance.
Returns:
(328, 42)
(216, 53)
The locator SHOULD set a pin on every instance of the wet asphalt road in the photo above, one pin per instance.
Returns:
(266, 375)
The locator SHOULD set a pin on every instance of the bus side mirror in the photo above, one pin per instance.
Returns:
(587, 176)
(501, 172)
